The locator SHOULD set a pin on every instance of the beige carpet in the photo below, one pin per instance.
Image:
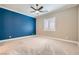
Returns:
(38, 46)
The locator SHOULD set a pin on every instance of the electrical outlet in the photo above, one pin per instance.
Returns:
(10, 36)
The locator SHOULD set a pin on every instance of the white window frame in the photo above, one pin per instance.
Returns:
(50, 24)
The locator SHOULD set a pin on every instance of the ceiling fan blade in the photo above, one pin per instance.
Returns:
(43, 11)
(32, 11)
(33, 8)
(40, 8)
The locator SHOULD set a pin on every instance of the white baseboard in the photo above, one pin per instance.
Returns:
(70, 41)
(75, 42)
(17, 38)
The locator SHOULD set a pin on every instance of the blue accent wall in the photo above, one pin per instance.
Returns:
(15, 25)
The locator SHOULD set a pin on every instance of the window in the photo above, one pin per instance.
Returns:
(49, 24)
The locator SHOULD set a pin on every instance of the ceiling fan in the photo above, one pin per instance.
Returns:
(37, 9)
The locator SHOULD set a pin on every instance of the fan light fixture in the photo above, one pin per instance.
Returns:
(37, 9)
